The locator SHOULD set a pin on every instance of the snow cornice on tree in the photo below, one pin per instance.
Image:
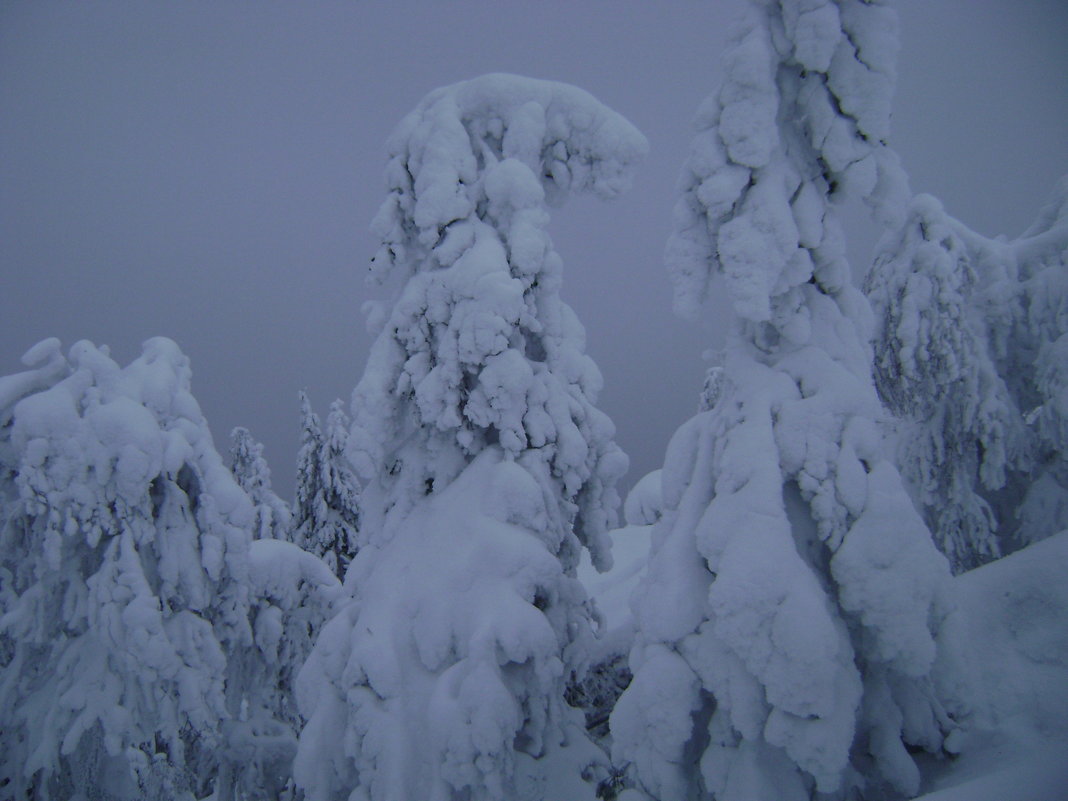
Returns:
(442, 152)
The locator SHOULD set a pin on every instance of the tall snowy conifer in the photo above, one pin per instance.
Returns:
(784, 626)
(327, 504)
(970, 352)
(486, 466)
(140, 653)
(254, 476)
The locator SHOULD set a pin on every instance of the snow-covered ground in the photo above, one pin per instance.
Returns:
(1010, 632)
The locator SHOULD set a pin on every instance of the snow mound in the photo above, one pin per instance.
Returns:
(1010, 626)
(1004, 662)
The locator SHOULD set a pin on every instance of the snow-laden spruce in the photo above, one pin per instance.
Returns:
(486, 467)
(252, 474)
(327, 513)
(785, 624)
(140, 653)
(971, 348)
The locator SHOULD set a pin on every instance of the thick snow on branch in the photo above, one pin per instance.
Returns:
(444, 152)
(784, 626)
(444, 677)
(800, 122)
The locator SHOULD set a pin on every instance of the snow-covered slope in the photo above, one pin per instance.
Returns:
(1010, 629)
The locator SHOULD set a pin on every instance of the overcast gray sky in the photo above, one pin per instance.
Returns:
(207, 171)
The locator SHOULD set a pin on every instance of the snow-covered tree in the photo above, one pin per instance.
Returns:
(292, 594)
(250, 469)
(784, 641)
(486, 466)
(1042, 255)
(970, 347)
(328, 501)
(126, 546)
(141, 650)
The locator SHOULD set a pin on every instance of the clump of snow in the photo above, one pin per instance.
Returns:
(645, 502)
(762, 222)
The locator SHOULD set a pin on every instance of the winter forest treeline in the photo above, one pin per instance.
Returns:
(816, 584)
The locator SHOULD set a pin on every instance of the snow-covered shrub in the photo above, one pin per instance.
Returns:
(486, 467)
(252, 474)
(1009, 629)
(645, 501)
(327, 515)
(785, 623)
(970, 354)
